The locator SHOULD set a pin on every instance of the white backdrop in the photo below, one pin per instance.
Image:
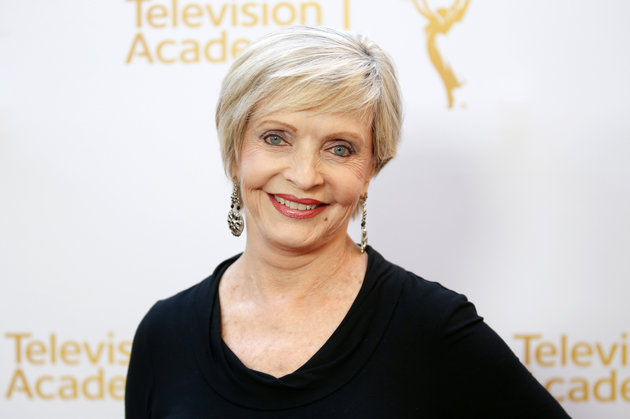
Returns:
(112, 195)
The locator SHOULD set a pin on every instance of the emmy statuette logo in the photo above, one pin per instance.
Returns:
(440, 21)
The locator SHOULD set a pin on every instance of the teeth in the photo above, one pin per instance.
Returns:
(294, 205)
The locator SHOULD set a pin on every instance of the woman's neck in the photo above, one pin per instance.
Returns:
(267, 273)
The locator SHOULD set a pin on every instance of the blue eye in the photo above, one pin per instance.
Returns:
(274, 139)
(341, 150)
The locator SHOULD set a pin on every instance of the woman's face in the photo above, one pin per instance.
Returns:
(302, 174)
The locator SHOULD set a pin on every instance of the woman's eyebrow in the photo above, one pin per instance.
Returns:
(275, 122)
(346, 135)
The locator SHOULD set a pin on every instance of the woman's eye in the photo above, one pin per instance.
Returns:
(274, 140)
(341, 150)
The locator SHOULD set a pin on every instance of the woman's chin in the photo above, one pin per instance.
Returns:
(294, 239)
(291, 242)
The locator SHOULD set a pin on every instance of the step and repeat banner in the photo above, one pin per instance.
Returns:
(512, 183)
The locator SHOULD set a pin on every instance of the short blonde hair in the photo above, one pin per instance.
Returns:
(308, 68)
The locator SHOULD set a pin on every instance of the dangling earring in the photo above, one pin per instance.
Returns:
(364, 238)
(235, 219)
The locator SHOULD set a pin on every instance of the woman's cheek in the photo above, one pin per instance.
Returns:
(253, 165)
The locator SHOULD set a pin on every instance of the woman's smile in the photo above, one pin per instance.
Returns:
(296, 208)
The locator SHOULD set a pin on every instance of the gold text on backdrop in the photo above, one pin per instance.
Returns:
(53, 368)
(605, 366)
(173, 22)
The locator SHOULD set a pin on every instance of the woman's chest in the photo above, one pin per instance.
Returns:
(278, 344)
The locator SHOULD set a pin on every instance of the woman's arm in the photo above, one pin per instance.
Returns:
(139, 375)
(485, 377)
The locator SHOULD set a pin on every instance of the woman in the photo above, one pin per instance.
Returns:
(305, 323)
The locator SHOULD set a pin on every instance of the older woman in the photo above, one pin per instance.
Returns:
(306, 323)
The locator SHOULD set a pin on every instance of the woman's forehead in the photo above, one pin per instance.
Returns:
(269, 107)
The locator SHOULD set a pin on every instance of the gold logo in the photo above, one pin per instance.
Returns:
(440, 22)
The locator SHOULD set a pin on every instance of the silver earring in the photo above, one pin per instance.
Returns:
(235, 219)
(364, 237)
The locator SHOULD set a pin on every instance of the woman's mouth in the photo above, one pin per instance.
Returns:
(294, 207)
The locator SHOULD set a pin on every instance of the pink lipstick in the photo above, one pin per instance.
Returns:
(294, 207)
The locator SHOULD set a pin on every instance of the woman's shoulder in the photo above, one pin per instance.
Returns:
(437, 333)
(167, 316)
(169, 313)
(425, 302)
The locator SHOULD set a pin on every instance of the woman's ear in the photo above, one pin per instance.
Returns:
(370, 176)
(373, 167)
(233, 169)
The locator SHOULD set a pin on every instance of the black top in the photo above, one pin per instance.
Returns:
(406, 348)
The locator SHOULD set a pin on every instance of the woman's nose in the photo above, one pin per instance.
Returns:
(304, 170)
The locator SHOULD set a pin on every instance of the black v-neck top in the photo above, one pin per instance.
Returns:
(406, 348)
